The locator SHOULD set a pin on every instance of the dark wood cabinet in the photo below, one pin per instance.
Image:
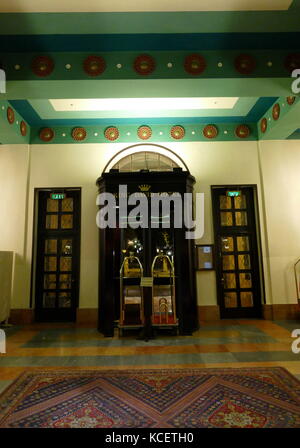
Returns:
(146, 243)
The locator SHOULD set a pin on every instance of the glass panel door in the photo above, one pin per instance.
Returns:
(237, 253)
(57, 263)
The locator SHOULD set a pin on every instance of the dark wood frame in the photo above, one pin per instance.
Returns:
(258, 279)
(38, 234)
(186, 301)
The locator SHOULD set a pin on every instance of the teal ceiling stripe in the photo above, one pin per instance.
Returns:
(150, 22)
(295, 135)
(260, 108)
(150, 42)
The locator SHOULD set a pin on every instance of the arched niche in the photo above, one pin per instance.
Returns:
(145, 156)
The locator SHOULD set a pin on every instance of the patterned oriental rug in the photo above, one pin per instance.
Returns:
(181, 398)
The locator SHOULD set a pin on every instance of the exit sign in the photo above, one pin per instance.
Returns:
(233, 194)
(57, 196)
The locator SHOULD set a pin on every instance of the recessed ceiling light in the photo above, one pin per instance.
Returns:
(138, 104)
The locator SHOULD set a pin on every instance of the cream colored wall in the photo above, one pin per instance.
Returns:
(215, 163)
(73, 166)
(280, 161)
(80, 166)
(211, 163)
(14, 162)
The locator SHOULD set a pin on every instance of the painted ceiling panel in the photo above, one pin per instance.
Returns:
(145, 5)
(41, 113)
(246, 50)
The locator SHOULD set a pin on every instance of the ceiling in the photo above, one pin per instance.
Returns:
(217, 69)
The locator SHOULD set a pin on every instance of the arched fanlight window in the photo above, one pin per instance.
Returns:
(152, 161)
(146, 156)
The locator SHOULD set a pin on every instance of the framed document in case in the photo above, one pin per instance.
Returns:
(205, 257)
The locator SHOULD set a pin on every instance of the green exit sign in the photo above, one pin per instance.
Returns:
(233, 194)
(57, 196)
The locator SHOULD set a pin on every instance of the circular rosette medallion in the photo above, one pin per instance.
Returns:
(177, 132)
(78, 134)
(194, 64)
(245, 64)
(263, 125)
(144, 132)
(111, 133)
(210, 131)
(144, 64)
(46, 134)
(290, 100)
(276, 111)
(10, 115)
(23, 128)
(292, 61)
(42, 66)
(94, 65)
(242, 131)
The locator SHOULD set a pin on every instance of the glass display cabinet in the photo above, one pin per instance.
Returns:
(131, 294)
(163, 293)
(161, 250)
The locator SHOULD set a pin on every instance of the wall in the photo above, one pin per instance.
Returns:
(80, 166)
(218, 164)
(73, 166)
(280, 162)
(14, 163)
(212, 163)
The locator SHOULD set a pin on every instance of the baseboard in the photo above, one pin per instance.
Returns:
(208, 313)
(87, 316)
(289, 311)
(21, 316)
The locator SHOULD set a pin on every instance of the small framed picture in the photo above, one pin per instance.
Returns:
(205, 257)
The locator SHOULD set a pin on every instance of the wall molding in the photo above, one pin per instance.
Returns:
(289, 311)
(87, 316)
(208, 313)
(21, 316)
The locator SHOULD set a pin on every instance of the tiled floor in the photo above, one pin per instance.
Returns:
(239, 343)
